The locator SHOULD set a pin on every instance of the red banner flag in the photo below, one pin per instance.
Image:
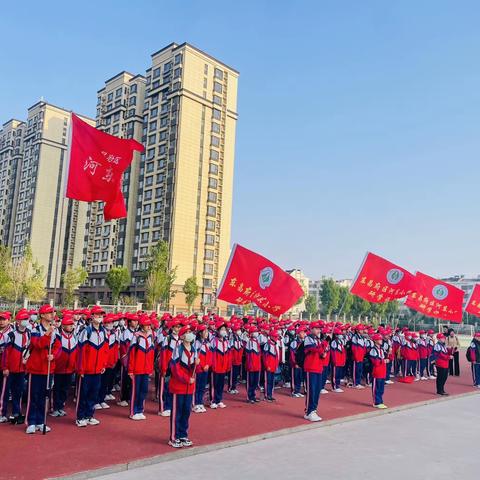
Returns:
(380, 281)
(97, 162)
(251, 278)
(473, 304)
(435, 298)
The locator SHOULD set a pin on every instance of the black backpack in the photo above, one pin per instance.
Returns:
(300, 355)
(468, 354)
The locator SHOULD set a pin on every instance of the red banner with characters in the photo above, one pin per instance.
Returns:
(473, 304)
(435, 298)
(380, 281)
(251, 278)
(97, 162)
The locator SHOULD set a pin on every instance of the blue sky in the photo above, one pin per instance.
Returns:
(358, 121)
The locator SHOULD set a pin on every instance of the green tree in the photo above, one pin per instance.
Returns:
(190, 289)
(311, 305)
(360, 306)
(25, 278)
(5, 257)
(329, 296)
(345, 301)
(117, 279)
(72, 279)
(159, 277)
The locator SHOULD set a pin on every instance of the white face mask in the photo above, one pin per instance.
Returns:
(24, 323)
(189, 337)
(222, 333)
(238, 332)
(34, 318)
(108, 326)
(121, 323)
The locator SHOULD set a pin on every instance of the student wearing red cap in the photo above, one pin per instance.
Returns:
(442, 358)
(430, 345)
(358, 354)
(125, 340)
(236, 351)
(379, 370)
(297, 358)
(17, 347)
(313, 367)
(92, 359)
(5, 329)
(338, 354)
(44, 347)
(271, 361)
(108, 377)
(473, 356)
(221, 364)
(423, 354)
(65, 365)
(182, 386)
(253, 363)
(202, 348)
(140, 366)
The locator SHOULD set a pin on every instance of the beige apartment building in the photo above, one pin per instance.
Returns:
(180, 189)
(39, 212)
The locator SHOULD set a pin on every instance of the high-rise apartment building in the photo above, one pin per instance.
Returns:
(36, 207)
(184, 111)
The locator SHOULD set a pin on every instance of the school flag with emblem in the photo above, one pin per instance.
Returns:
(379, 280)
(473, 303)
(437, 299)
(251, 278)
(96, 165)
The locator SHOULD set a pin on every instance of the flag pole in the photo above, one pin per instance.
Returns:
(62, 209)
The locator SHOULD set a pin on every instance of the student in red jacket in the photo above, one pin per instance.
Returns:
(92, 358)
(65, 365)
(182, 386)
(44, 347)
(237, 347)
(271, 360)
(205, 361)
(442, 359)
(253, 364)
(221, 364)
(379, 370)
(140, 366)
(297, 370)
(19, 341)
(313, 367)
(359, 350)
(338, 354)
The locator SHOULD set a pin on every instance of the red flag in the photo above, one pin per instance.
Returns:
(473, 304)
(249, 277)
(97, 162)
(435, 298)
(380, 281)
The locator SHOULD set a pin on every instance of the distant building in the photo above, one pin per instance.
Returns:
(304, 282)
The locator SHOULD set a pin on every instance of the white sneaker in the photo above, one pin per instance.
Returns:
(287, 385)
(4, 420)
(109, 397)
(328, 382)
(165, 413)
(313, 417)
(197, 409)
(338, 390)
(93, 421)
(122, 403)
(389, 382)
(221, 405)
(39, 428)
(55, 413)
(137, 416)
(432, 377)
(142, 416)
(423, 378)
(62, 412)
(202, 408)
(31, 429)
(97, 406)
(81, 423)
(213, 405)
(323, 391)
(359, 387)
(104, 405)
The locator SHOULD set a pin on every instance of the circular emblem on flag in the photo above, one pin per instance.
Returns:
(394, 276)
(266, 277)
(440, 292)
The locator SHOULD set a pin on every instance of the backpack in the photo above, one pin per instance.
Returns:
(300, 355)
(468, 354)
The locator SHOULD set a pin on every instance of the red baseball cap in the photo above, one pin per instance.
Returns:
(44, 309)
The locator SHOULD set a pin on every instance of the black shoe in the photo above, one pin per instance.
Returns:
(269, 399)
(443, 393)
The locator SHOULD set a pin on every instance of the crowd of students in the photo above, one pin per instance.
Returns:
(91, 354)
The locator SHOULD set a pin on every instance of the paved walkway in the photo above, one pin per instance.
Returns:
(437, 441)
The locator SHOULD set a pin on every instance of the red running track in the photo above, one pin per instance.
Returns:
(68, 449)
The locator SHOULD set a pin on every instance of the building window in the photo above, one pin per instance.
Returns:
(218, 74)
(118, 92)
(212, 197)
(110, 97)
(152, 139)
(207, 268)
(133, 88)
(217, 87)
(209, 254)
(209, 239)
(156, 72)
(212, 182)
(207, 283)
(213, 168)
(211, 211)
(132, 101)
(178, 58)
(177, 73)
(215, 141)
(215, 127)
(217, 100)
(214, 155)
(211, 225)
